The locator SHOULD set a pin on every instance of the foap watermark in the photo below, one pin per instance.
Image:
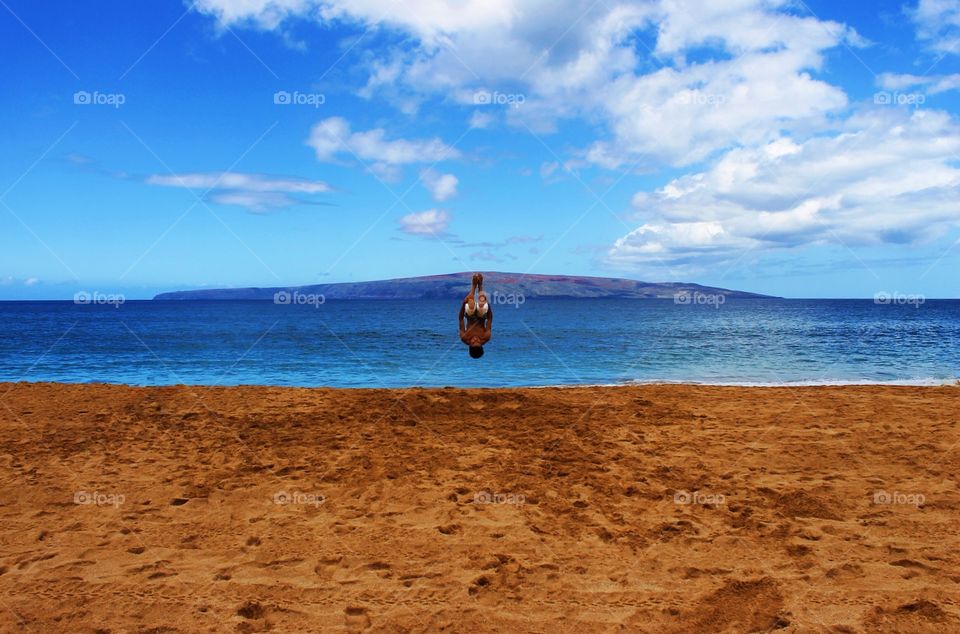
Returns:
(96, 298)
(507, 299)
(698, 497)
(697, 98)
(496, 98)
(896, 298)
(297, 98)
(97, 98)
(296, 298)
(896, 497)
(98, 499)
(697, 298)
(283, 498)
(887, 98)
(486, 497)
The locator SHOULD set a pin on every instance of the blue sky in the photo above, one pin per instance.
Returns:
(792, 148)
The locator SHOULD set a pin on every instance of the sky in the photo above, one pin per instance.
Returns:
(801, 149)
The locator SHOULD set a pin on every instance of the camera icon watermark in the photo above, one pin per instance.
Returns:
(96, 298)
(296, 298)
(507, 299)
(297, 98)
(98, 499)
(283, 498)
(685, 298)
(887, 98)
(496, 98)
(909, 499)
(486, 497)
(97, 98)
(698, 497)
(896, 298)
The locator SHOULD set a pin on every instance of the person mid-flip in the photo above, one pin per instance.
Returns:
(476, 318)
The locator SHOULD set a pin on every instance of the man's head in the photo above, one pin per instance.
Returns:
(476, 351)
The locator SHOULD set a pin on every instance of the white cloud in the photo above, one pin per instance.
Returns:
(241, 181)
(332, 138)
(429, 20)
(938, 23)
(886, 178)
(265, 13)
(257, 193)
(932, 84)
(756, 83)
(734, 88)
(752, 78)
(481, 120)
(441, 186)
(9, 280)
(432, 222)
(547, 169)
(255, 202)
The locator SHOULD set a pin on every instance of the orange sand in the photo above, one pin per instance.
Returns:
(641, 509)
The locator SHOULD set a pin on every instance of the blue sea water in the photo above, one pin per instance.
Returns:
(540, 342)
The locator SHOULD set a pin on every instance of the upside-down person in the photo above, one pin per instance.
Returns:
(476, 318)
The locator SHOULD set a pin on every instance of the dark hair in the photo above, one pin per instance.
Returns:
(476, 351)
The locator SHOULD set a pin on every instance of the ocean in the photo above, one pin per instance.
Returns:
(535, 342)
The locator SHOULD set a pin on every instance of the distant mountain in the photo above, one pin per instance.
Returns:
(456, 285)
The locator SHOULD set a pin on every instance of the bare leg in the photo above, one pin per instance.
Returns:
(481, 296)
(469, 299)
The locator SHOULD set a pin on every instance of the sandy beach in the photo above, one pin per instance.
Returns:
(642, 509)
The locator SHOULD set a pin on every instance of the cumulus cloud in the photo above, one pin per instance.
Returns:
(431, 223)
(264, 13)
(753, 75)
(258, 193)
(755, 81)
(332, 139)
(429, 20)
(888, 177)
(733, 91)
(441, 186)
(938, 24)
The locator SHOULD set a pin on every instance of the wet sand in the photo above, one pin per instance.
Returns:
(642, 509)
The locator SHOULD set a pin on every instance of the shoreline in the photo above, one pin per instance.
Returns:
(648, 508)
(935, 383)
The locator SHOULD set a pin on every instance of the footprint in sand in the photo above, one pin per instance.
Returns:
(356, 618)
(917, 616)
(251, 610)
(478, 584)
